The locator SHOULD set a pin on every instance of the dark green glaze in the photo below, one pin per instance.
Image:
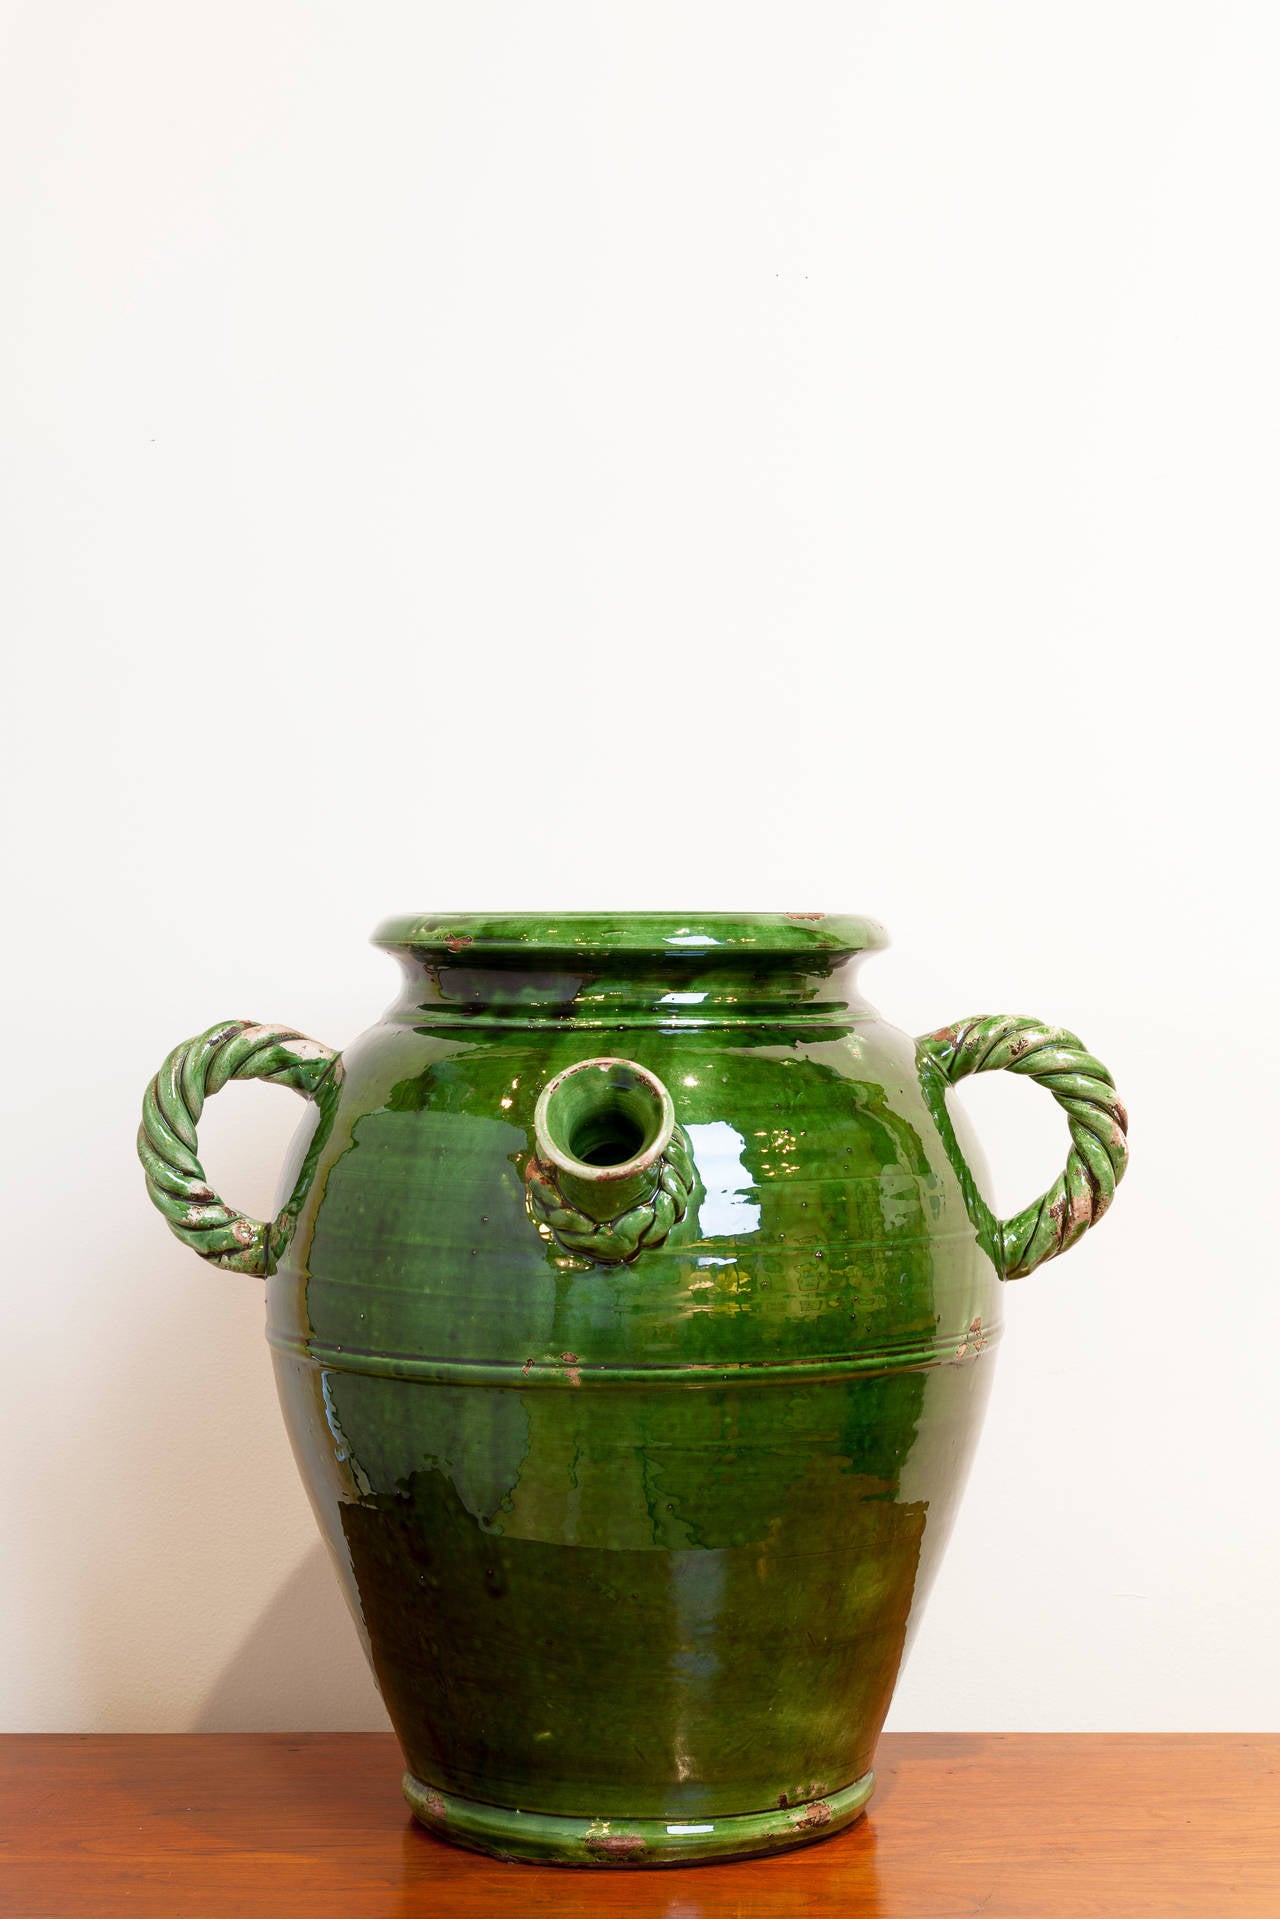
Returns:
(634, 1542)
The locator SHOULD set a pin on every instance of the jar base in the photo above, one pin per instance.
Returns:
(554, 1839)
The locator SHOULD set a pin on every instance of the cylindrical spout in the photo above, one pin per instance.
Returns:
(603, 1126)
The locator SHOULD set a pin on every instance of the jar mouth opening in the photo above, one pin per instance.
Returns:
(464, 937)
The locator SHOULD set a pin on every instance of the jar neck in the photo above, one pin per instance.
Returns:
(633, 989)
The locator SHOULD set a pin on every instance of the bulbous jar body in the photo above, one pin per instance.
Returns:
(635, 1543)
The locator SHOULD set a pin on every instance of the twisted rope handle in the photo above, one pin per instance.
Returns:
(1087, 1095)
(173, 1103)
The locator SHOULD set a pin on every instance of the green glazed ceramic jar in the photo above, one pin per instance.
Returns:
(633, 1307)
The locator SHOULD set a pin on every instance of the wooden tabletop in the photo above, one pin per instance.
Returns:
(1006, 1826)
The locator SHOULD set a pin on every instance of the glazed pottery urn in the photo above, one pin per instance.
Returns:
(633, 1305)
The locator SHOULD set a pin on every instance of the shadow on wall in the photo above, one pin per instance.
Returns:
(300, 1648)
(174, 1572)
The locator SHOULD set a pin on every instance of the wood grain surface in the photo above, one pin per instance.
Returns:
(277, 1826)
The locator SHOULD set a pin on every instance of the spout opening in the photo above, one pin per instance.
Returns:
(607, 1138)
(603, 1120)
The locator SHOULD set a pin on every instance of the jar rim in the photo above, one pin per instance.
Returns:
(670, 935)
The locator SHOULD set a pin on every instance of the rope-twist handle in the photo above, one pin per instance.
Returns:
(1087, 1095)
(174, 1101)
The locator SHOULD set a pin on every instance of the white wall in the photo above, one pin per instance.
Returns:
(641, 455)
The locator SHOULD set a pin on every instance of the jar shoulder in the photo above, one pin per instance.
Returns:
(831, 1209)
